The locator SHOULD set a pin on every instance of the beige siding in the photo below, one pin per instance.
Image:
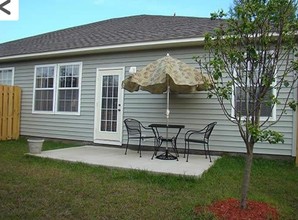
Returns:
(192, 110)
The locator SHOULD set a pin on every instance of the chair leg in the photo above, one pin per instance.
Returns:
(154, 148)
(187, 152)
(140, 147)
(175, 147)
(154, 152)
(184, 148)
(127, 145)
(175, 142)
(209, 152)
(157, 146)
(153, 155)
(205, 151)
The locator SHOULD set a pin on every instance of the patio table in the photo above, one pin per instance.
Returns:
(166, 155)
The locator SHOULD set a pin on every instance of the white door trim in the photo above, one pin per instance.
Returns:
(97, 107)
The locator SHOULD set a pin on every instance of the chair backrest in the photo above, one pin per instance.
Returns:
(133, 126)
(209, 129)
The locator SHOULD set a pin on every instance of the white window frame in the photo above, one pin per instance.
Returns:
(56, 89)
(262, 118)
(35, 89)
(12, 74)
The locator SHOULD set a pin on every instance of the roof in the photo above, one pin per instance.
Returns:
(117, 31)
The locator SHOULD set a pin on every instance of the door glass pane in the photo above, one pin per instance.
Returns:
(109, 103)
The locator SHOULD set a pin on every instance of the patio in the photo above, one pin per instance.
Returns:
(114, 157)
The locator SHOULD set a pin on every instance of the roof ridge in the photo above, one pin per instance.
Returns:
(102, 21)
(113, 31)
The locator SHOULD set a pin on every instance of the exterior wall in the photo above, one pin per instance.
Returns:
(193, 110)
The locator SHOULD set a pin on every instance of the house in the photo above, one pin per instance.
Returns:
(71, 82)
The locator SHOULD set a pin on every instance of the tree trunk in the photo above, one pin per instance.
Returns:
(246, 179)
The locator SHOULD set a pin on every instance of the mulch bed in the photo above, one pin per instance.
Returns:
(230, 209)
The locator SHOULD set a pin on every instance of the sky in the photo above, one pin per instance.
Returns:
(42, 16)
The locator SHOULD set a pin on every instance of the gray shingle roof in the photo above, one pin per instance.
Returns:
(133, 29)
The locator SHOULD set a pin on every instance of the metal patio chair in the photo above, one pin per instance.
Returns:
(199, 136)
(135, 130)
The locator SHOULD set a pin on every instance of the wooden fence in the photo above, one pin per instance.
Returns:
(10, 105)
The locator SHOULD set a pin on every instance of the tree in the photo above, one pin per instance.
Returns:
(251, 58)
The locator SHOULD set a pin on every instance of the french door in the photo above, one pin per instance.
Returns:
(108, 106)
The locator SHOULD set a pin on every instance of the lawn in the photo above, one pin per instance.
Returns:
(38, 188)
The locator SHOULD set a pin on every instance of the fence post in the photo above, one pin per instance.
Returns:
(1, 111)
(10, 104)
(16, 112)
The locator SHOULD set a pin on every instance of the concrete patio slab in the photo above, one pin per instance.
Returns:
(114, 157)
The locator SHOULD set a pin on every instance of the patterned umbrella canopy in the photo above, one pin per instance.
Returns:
(167, 73)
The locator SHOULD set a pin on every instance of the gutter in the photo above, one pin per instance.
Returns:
(107, 49)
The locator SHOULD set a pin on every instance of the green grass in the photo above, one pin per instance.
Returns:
(38, 188)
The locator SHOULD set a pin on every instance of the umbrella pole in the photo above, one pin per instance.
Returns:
(168, 117)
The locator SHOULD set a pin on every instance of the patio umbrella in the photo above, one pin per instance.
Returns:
(167, 74)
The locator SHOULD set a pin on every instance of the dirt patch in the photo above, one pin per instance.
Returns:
(230, 209)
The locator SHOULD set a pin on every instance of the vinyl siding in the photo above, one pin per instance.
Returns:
(195, 111)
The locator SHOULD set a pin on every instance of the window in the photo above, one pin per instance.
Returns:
(266, 108)
(6, 76)
(238, 99)
(57, 88)
(68, 88)
(44, 88)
